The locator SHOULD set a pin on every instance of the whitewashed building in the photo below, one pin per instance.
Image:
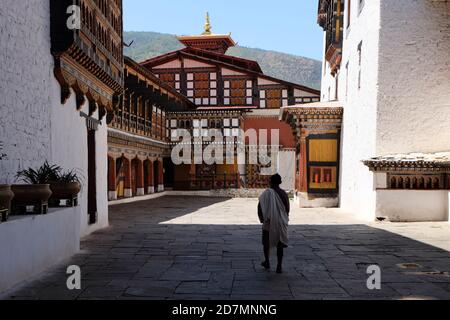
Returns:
(388, 64)
(60, 78)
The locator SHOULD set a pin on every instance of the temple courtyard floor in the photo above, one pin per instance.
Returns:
(210, 248)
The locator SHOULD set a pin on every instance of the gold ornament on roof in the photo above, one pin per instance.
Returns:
(207, 25)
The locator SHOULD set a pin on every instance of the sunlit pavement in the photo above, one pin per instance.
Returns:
(210, 248)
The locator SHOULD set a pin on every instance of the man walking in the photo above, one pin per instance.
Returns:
(273, 212)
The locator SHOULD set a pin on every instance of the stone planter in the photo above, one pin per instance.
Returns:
(26, 195)
(6, 195)
(65, 191)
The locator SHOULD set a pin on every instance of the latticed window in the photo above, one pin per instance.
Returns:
(202, 88)
(273, 98)
(172, 79)
(201, 85)
(169, 78)
(238, 92)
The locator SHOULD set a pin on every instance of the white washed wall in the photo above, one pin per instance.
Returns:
(414, 77)
(286, 169)
(69, 149)
(413, 205)
(26, 74)
(403, 104)
(360, 105)
(34, 126)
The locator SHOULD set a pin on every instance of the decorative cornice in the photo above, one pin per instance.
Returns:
(114, 133)
(321, 110)
(410, 162)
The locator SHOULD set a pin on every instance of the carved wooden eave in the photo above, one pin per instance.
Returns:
(322, 12)
(122, 141)
(439, 162)
(141, 81)
(321, 110)
(90, 65)
(334, 57)
(207, 56)
(214, 42)
(220, 113)
(237, 64)
(321, 117)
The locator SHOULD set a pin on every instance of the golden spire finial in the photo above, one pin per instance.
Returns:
(207, 25)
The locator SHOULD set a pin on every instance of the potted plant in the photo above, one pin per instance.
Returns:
(65, 186)
(36, 191)
(6, 194)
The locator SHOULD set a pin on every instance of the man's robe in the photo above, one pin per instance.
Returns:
(276, 218)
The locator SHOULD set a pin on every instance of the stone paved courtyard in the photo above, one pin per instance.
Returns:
(209, 248)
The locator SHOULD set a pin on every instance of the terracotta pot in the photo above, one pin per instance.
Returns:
(65, 190)
(6, 195)
(28, 194)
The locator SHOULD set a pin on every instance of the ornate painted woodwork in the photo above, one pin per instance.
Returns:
(214, 79)
(197, 123)
(331, 19)
(86, 43)
(138, 132)
(322, 153)
(146, 101)
(221, 89)
(317, 129)
(411, 171)
(203, 176)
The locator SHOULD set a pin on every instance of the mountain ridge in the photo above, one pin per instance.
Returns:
(284, 66)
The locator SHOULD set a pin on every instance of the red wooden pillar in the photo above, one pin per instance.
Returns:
(303, 164)
(112, 179)
(140, 178)
(150, 180)
(128, 193)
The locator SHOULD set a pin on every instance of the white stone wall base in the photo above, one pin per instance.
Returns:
(413, 205)
(140, 191)
(306, 201)
(151, 190)
(112, 195)
(26, 251)
(127, 193)
(286, 169)
(161, 188)
(448, 207)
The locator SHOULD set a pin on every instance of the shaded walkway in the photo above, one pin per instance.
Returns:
(207, 248)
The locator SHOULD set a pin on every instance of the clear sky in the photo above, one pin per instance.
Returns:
(282, 25)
